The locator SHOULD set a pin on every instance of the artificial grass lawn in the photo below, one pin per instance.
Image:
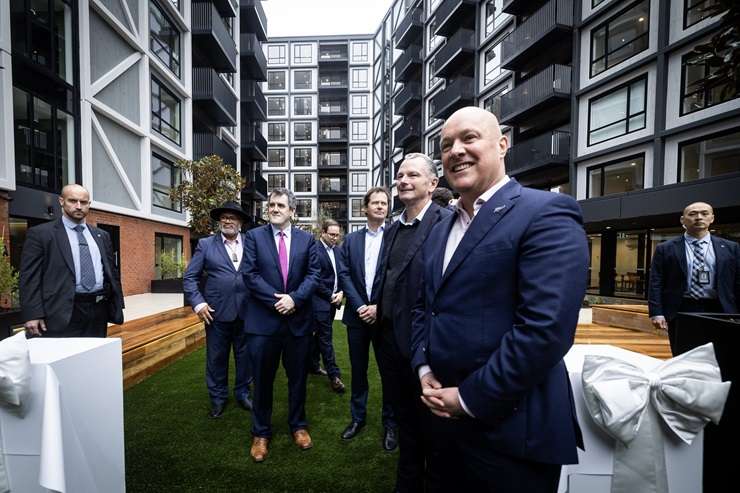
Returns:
(171, 444)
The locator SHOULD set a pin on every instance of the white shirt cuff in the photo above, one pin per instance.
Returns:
(423, 370)
(199, 307)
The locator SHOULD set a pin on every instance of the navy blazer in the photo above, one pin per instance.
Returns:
(499, 321)
(224, 289)
(668, 275)
(351, 267)
(325, 284)
(264, 280)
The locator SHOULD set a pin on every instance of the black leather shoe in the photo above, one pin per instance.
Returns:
(217, 410)
(244, 402)
(390, 439)
(352, 430)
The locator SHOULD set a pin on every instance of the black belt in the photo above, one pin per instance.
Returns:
(91, 297)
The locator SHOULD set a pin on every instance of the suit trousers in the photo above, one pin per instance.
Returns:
(690, 305)
(220, 338)
(265, 353)
(89, 319)
(359, 338)
(322, 344)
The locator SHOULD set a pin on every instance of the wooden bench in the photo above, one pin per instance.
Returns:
(633, 317)
(651, 344)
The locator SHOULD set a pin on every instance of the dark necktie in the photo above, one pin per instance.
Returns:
(87, 271)
(696, 290)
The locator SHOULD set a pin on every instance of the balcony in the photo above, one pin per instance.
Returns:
(333, 55)
(408, 65)
(548, 90)
(256, 188)
(333, 185)
(546, 33)
(336, 210)
(213, 46)
(254, 105)
(410, 30)
(254, 63)
(207, 144)
(459, 92)
(332, 161)
(408, 99)
(254, 145)
(332, 135)
(452, 15)
(333, 113)
(517, 7)
(333, 84)
(551, 148)
(409, 132)
(457, 56)
(212, 96)
(253, 18)
(225, 8)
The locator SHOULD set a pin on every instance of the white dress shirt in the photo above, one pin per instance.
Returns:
(418, 217)
(231, 247)
(710, 290)
(330, 252)
(287, 231)
(373, 241)
(74, 244)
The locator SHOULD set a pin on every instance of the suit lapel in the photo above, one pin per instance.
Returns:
(720, 255)
(430, 218)
(101, 248)
(270, 239)
(439, 257)
(360, 258)
(218, 244)
(680, 252)
(60, 234)
(295, 242)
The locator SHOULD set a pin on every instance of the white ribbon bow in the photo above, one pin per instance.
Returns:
(686, 392)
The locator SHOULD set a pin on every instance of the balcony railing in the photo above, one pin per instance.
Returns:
(452, 15)
(327, 82)
(410, 30)
(332, 54)
(254, 145)
(408, 65)
(225, 8)
(328, 160)
(458, 93)
(254, 104)
(556, 16)
(543, 150)
(254, 63)
(408, 98)
(213, 96)
(253, 18)
(206, 144)
(457, 53)
(409, 131)
(256, 186)
(332, 136)
(213, 46)
(553, 83)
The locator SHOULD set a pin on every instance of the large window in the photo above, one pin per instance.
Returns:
(276, 132)
(695, 11)
(276, 80)
(333, 158)
(165, 112)
(713, 155)
(359, 78)
(359, 182)
(621, 176)
(621, 37)
(276, 55)
(359, 52)
(302, 53)
(359, 130)
(302, 79)
(334, 209)
(304, 208)
(165, 177)
(359, 104)
(695, 98)
(332, 133)
(275, 180)
(276, 106)
(302, 132)
(164, 38)
(619, 112)
(356, 207)
(276, 158)
(166, 244)
(302, 183)
(359, 157)
(492, 64)
(333, 184)
(494, 15)
(302, 105)
(302, 157)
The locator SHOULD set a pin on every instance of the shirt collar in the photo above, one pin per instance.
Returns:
(70, 223)
(224, 239)
(275, 230)
(418, 218)
(374, 233)
(485, 196)
(326, 247)
(690, 239)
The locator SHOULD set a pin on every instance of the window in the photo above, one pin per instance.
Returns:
(276, 80)
(165, 177)
(303, 207)
(492, 64)
(596, 3)
(276, 158)
(493, 102)
(359, 104)
(334, 158)
(431, 79)
(164, 38)
(302, 157)
(433, 147)
(302, 183)
(302, 105)
(302, 53)
(620, 37)
(494, 16)
(275, 180)
(359, 182)
(359, 52)
(356, 207)
(276, 106)
(332, 133)
(359, 157)
(359, 78)
(165, 244)
(617, 113)
(693, 97)
(302, 131)
(276, 132)
(714, 155)
(359, 130)
(695, 11)
(622, 176)
(434, 40)
(334, 209)
(333, 184)
(165, 112)
(276, 55)
(302, 79)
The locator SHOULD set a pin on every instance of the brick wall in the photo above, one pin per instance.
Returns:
(137, 247)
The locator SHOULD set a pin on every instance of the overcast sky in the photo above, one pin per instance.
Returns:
(320, 17)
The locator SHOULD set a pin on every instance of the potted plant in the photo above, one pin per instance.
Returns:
(10, 312)
(171, 269)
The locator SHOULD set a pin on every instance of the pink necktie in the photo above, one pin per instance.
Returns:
(283, 257)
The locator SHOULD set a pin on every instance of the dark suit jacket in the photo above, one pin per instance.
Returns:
(224, 289)
(406, 289)
(325, 285)
(263, 280)
(499, 321)
(47, 276)
(351, 266)
(668, 273)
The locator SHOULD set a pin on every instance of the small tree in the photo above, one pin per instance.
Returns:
(206, 184)
(171, 266)
(8, 277)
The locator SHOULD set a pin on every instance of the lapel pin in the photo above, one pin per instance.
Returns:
(499, 209)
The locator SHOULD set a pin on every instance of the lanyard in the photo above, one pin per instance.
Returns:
(234, 257)
(694, 257)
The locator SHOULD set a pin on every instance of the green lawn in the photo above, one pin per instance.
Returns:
(171, 444)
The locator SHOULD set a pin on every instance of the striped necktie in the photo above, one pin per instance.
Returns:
(87, 271)
(696, 289)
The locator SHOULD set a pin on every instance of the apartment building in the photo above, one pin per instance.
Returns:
(319, 108)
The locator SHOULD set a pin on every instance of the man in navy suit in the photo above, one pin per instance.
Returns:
(504, 278)
(326, 299)
(696, 272)
(221, 305)
(359, 276)
(281, 271)
(416, 180)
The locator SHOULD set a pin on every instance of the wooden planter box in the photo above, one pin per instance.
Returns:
(166, 285)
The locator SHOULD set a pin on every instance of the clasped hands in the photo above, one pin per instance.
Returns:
(285, 304)
(368, 313)
(441, 401)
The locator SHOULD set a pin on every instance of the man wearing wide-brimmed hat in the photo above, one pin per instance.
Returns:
(221, 305)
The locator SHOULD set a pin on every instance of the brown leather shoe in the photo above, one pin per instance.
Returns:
(337, 385)
(302, 439)
(259, 448)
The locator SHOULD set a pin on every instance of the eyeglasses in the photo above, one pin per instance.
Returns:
(228, 219)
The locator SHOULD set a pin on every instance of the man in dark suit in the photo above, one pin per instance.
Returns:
(221, 305)
(401, 274)
(69, 284)
(326, 299)
(281, 271)
(503, 281)
(696, 272)
(359, 278)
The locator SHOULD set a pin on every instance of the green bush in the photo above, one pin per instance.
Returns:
(8, 275)
(171, 266)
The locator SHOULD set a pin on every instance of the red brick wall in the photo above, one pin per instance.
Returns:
(4, 216)
(137, 247)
